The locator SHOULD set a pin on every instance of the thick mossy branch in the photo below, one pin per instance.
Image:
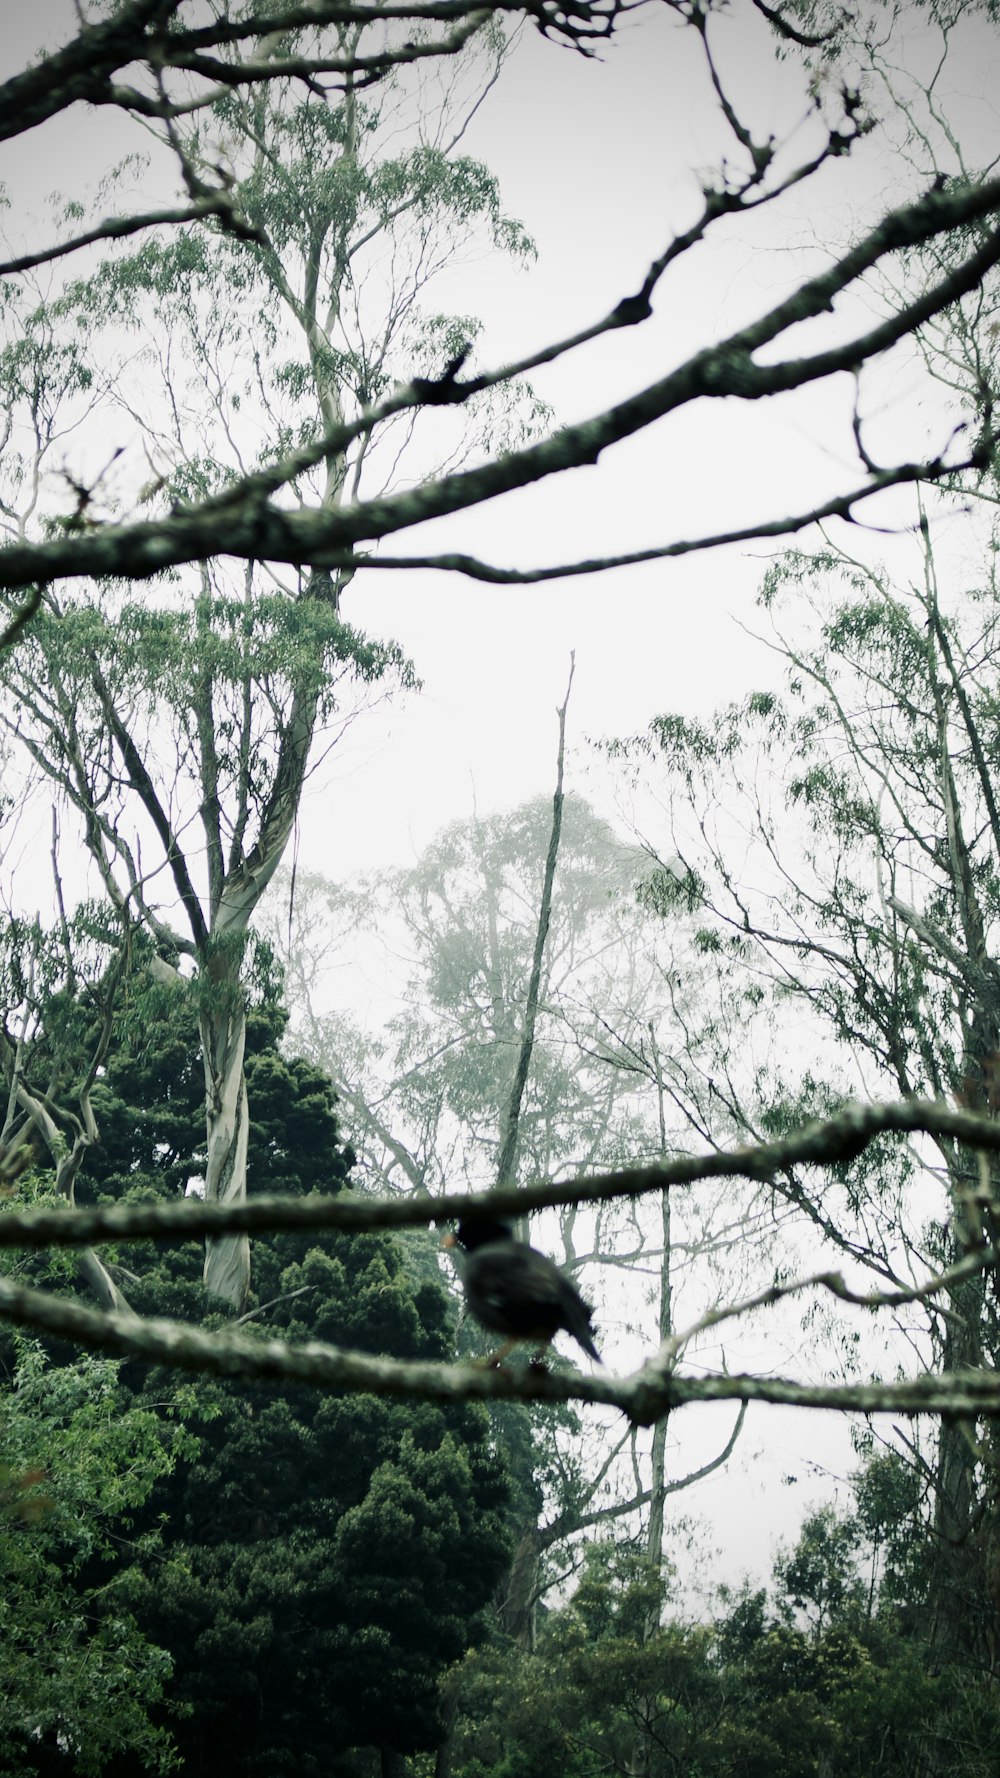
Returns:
(643, 1397)
(826, 1142)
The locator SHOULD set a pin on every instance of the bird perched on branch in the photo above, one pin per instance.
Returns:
(514, 1290)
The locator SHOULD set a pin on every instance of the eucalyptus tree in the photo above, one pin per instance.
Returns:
(863, 807)
(427, 1093)
(869, 905)
(59, 993)
(182, 729)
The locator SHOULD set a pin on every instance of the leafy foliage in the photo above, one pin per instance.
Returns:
(80, 1461)
(830, 1675)
(303, 1568)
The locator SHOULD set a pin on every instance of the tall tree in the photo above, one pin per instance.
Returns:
(320, 1562)
(182, 731)
(428, 1100)
(876, 892)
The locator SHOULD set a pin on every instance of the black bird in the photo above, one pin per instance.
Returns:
(514, 1290)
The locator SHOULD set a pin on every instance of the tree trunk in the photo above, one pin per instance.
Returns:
(517, 1614)
(517, 1609)
(98, 1279)
(443, 1752)
(510, 1124)
(956, 1623)
(641, 1763)
(223, 1041)
(654, 1542)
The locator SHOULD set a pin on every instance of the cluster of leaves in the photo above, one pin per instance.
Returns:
(278, 1573)
(830, 1673)
(81, 1459)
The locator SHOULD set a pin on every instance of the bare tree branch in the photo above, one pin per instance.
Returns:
(644, 1396)
(507, 1162)
(933, 469)
(256, 529)
(22, 616)
(823, 1143)
(148, 33)
(116, 228)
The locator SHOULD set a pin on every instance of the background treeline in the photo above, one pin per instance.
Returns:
(206, 1572)
(252, 1578)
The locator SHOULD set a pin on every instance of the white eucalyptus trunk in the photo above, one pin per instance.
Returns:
(90, 1266)
(223, 1017)
(223, 1041)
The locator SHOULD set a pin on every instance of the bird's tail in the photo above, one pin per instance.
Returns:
(581, 1330)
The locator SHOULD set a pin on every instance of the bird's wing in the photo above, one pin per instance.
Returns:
(516, 1285)
(516, 1290)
